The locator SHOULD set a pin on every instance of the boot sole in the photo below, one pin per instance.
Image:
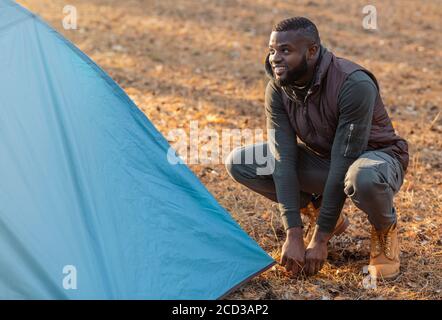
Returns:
(389, 277)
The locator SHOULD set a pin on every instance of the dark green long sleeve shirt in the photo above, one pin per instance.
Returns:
(355, 102)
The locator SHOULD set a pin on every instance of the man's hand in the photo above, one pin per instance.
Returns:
(316, 252)
(293, 251)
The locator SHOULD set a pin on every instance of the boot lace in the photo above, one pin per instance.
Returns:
(382, 242)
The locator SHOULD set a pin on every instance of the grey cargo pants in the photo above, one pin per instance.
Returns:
(371, 181)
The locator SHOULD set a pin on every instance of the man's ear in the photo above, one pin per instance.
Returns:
(312, 51)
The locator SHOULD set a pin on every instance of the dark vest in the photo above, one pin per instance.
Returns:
(316, 118)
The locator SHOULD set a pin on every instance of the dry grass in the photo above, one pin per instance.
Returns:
(202, 60)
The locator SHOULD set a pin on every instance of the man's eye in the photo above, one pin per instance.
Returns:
(285, 50)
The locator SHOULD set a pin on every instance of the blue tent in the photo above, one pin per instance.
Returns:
(90, 208)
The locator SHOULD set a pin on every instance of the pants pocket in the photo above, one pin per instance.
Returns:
(353, 143)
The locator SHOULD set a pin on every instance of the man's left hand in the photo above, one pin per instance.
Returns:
(316, 253)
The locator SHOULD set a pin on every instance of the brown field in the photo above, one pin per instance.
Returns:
(183, 60)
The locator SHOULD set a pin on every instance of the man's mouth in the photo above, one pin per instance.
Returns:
(279, 70)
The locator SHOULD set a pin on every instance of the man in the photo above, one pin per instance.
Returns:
(347, 147)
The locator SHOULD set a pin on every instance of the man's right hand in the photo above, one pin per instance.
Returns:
(293, 251)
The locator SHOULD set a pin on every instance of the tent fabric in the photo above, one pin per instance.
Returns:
(90, 208)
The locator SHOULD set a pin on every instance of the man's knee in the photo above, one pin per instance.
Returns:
(363, 181)
(233, 163)
(369, 191)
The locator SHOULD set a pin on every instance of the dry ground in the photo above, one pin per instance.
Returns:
(183, 60)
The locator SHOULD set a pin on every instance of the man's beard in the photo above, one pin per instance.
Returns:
(294, 74)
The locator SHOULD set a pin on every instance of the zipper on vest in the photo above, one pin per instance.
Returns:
(309, 92)
(349, 138)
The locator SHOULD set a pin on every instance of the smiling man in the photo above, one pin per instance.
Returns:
(330, 137)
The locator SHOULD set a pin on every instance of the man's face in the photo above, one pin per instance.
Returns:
(288, 56)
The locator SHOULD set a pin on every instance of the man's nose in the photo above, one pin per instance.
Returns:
(276, 58)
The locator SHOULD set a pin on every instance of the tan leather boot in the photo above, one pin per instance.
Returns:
(312, 213)
(384, 253)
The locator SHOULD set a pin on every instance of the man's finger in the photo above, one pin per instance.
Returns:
(306, 266)
(310, 267)
(283, 260)
(295, 268)
(317, 267)
(288, 265)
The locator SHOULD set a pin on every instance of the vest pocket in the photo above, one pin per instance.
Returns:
(353, 144)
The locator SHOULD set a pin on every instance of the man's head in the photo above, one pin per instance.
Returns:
(293, 49)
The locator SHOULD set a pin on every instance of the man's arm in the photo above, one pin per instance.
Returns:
(283, 146)
(356, 103)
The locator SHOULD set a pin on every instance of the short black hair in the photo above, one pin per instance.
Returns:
(307, 27)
